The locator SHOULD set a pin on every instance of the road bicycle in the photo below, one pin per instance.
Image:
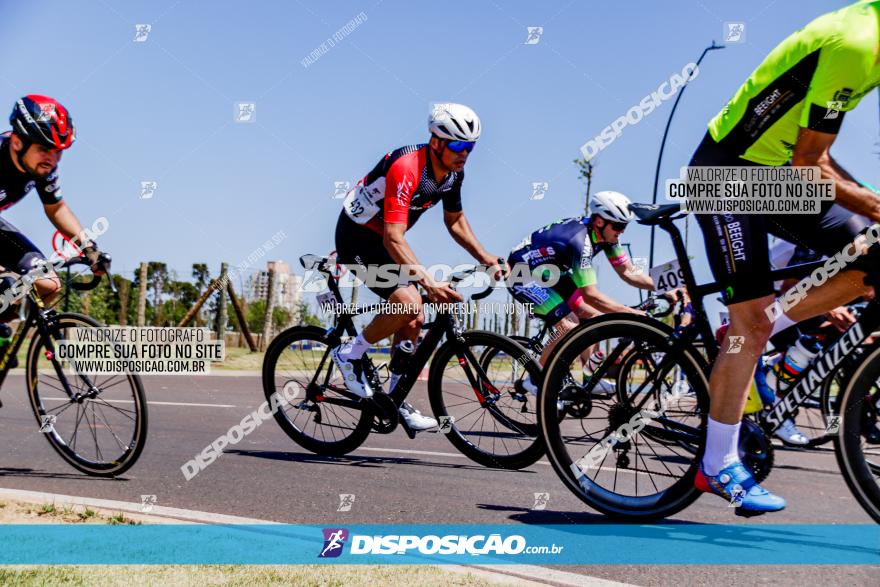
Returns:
(470, 398)
(649, 474)
(97, 423)
(655, 306)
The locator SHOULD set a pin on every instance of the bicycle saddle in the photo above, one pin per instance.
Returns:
(651, 214)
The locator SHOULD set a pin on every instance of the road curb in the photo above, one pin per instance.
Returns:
(520, 575)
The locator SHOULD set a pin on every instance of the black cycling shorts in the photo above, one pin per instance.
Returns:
(550, 304)
(358, 248)
(736, 244)
(17, 252)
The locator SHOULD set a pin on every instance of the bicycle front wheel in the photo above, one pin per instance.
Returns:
(97, 423)
(858, 453)
(633, 453)
(473, 390)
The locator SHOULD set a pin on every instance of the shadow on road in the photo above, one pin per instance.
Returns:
(544, 517)
(31, 473)
(356, 461)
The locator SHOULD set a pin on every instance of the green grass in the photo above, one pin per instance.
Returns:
(237, 576)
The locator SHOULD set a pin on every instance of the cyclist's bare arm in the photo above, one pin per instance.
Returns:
(462, 233)
(395, 243)
(813, 148)
(634, 277)
(603, 303)
(63, 218)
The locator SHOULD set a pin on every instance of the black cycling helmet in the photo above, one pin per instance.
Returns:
(42, 120)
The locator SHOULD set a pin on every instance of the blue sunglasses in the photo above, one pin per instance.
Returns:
(459, 146)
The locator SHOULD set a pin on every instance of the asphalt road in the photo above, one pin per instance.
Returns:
(394, 480)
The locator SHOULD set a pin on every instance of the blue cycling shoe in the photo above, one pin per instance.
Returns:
(736, 484)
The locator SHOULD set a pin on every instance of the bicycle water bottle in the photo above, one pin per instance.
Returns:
(399, 360)
(760, 393)
(768, 397)
(5, 335)
(786, 371)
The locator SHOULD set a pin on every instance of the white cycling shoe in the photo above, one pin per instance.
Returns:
(789, 434)
(415, 419)
(530, 387)
(604, 388)
(353, 374)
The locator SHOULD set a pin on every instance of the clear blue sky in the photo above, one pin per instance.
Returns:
(163, 110)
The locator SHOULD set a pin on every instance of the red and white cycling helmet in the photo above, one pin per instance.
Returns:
(42, 120)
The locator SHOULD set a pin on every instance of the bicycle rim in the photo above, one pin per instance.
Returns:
(102, 435)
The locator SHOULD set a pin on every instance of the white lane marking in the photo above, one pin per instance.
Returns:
(155, 403)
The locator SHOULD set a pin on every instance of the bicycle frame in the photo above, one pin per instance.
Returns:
(34, 317)
(820, 368)
(445, 323)
(34, 305)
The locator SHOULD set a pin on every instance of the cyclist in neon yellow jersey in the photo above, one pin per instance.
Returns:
(788, 111)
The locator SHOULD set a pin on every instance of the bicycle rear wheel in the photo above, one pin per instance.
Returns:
(859, 459)
(472, 382)
(325, 418)
(633, 454)
(97, 423)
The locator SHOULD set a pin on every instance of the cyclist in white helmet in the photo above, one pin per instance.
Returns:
(570, 244)
(371, 232)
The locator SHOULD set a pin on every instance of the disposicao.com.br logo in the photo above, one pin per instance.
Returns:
(451, 544)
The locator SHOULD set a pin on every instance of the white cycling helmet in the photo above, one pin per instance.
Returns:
(612, 206)
(455, 122)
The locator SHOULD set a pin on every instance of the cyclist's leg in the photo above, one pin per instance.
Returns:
(831, 233)
(737, 251)
(361, 248)
(20, 257)
(550, 304)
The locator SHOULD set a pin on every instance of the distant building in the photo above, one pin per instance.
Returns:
(287, 286)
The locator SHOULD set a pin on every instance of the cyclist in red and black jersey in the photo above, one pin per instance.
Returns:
(372, 226)
(29, 155)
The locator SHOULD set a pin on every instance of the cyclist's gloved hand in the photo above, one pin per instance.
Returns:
(100, 262)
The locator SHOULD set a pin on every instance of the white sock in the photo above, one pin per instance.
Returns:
(722, 441)
(355, 349)
(781, 323)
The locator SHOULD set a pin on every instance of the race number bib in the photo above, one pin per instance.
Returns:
(667, 276)
(363, 202)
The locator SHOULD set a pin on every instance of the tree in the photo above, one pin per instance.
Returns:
(256, 317)
(157, 278)
(305, 315)
(585, 172)
(201, 275)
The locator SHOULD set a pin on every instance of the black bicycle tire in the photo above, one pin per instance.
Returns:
(675, 498)
(518, 460)
(135, 448)
(342, 447)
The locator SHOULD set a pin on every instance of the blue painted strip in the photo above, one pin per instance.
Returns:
(400, 544)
